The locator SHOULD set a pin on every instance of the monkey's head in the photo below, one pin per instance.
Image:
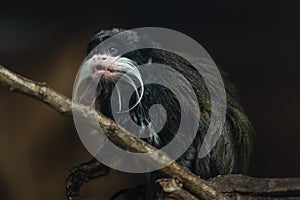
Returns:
(110, 58)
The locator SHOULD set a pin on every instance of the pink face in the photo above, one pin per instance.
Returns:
(102, 65)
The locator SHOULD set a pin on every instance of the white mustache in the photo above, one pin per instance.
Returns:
(124, 67)
(131, 71)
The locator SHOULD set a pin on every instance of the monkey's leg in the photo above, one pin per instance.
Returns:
(83, 173)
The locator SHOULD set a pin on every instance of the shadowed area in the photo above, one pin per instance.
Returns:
(255, 43)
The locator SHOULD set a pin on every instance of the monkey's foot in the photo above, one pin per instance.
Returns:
(82, 174)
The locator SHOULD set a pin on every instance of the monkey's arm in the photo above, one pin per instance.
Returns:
(83, 173)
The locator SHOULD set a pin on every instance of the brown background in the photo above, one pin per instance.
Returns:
(257, 43)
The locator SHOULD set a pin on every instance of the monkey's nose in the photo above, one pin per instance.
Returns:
(100, 57)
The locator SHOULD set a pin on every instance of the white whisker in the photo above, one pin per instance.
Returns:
(136, 91)
(119, 97)
(129, 68)
(90, 86)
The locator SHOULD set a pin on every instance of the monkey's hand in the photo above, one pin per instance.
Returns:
(81, 174)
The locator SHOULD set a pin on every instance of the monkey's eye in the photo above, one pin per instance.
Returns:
(112, 50)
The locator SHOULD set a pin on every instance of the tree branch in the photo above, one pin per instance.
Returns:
(116, 134)
(240, 187)
(258, 188)
(218, 188)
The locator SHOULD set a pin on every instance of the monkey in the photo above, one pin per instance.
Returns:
(232, 151)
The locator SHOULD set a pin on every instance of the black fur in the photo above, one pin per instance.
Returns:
(232, 152)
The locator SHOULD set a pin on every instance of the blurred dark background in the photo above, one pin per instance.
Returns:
(255, 42)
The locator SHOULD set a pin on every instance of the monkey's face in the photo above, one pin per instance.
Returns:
(113, 61)
(107, 60)
(107, 63)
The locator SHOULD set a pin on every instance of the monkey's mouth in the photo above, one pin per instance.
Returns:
(104, 71)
